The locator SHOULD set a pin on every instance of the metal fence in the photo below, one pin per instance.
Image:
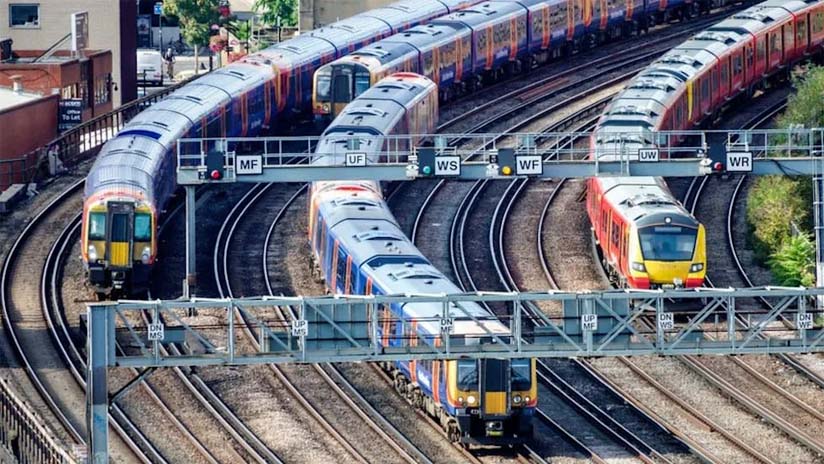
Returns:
(23, 435)
(77, 144)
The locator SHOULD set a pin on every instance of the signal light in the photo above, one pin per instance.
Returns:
(427, 170)
(215, 174)
(718, 166)
(506, 170)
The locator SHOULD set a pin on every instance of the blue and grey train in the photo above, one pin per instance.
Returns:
(359, 248)
(133, 177)
(464, 49)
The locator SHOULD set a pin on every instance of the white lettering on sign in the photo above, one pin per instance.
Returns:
(447, 165)
(739, 161)
(589, 322)
(804, 321)
(666, 321)
(300, 328)
(248, 165)
(648, 155)
(356, 159)
(447, 324)
(528, 165)
(156, 332)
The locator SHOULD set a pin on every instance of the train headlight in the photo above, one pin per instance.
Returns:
(636, 266)
(527, 399)
(146, 255)
(516, 399)
(325, 108)
(461, 401)
(470, 399)
(92, 253)
(697, 267)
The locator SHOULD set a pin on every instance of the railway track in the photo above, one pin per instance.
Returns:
(53, 376)
(757, 390)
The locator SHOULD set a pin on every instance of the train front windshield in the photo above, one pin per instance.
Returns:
(668, 243)
(324, 86)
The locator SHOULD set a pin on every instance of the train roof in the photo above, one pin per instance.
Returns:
(645, 201)
(683, 64)
(426, 36)
(297, 51)
(753, 19)
(351, 207)
(367, 239)
(480, 15)
(376, 117)
(350, 31)
(126, 164)
(382, 52)
(792, 5)
(404, 12)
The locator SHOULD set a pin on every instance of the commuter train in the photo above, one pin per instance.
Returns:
(132, 178)
(489, 39)
(647, 239)
(359, 248)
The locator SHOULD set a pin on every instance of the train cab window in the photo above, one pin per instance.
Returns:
(521, 374)
(667, 243)
(467, 374)
(324, 86)
(97, 226)
(120, 228)
(361, 83)
(142, 227)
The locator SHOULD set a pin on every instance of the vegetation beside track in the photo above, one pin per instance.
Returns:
(779, 207)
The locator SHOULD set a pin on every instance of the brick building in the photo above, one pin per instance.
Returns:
(18, 108)
(88, 79)
(40, 24)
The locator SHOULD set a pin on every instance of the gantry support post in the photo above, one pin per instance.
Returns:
(818, 214)
(191, 250)
(100, 350)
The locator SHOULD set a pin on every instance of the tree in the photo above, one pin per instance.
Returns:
(271, 10)
(805, 106)
(196, 20)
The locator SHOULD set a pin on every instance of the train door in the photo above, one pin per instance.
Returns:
(120, 234)
(495, 381)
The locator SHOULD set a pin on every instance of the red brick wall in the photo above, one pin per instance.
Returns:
(26, 127)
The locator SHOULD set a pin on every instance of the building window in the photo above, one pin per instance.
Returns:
(24, 15)
(101, 90)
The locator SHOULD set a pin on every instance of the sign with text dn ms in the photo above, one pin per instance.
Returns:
(739, 161)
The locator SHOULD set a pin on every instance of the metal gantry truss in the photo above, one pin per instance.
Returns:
(345, 328)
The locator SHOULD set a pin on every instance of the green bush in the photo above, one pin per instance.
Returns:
(805, 106)
(775, 203)
(793, 264)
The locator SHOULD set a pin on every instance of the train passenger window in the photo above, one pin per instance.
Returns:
(324, 86)
(705, 88)
(615, 233)
(467, 374)
(801, 35)
(340, 272)
(142, 227)
(750, 55)
(318, 232)
(667, 243)
(120, 228)
(818, 22)
(775, 44)
(97, 226)
(736, 65)
(521, 374)
(761, 50)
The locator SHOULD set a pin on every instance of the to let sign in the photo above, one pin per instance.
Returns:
(69, 113)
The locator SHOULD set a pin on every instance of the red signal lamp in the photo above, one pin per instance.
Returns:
(718, 166)
(215, 174)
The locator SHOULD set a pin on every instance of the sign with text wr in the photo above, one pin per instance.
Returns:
(739, 161)
(248, 165)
